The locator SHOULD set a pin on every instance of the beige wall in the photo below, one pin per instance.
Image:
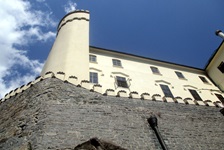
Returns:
(214, 73)
(137, 71)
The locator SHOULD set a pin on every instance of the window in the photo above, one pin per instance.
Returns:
(93, 77)
(203, 79)
(155, 70)
(220, 97)
(221, 67)
(195, 94)
(180, 75)
(121, 82)
(92, 58)
(166, 90)
(116, 62)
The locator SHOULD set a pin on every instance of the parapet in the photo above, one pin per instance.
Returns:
(74, 15)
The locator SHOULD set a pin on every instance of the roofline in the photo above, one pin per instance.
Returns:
(76, 11)
(213, 55)
(147, 58)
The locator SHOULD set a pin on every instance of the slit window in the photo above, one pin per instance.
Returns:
(195, 94)
(179, 75)
(221, 67)
(166, 91)
(203, 79)
(220, 97)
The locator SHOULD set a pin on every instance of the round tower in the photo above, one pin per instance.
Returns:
(70, 52)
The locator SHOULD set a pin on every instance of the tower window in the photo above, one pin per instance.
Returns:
(121, 82)
(220, 97)
(92, 58)
(221, 67)
(203, 79)
(93, 77)
(195, 94)
(166, 90)
(155, 70)
(116, 62)
(179, 75)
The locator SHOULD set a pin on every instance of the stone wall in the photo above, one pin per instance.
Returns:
(57, 115)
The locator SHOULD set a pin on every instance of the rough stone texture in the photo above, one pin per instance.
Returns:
(57, 115)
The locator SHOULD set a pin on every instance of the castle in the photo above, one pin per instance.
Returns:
(119, 92)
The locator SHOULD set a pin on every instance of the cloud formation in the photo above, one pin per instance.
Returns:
(70, 6)
(20, 25)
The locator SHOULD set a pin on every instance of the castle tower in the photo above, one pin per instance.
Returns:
(70, 52)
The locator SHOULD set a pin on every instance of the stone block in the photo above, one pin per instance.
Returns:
(122, 93)
(197, 102)
(73, 80)
(110, 92)
(157, 97)
(97, 88)
(85, 84)
(60, 75)
(134, 95)
(48, 75)
(146, 96)
(168, 99)
(189, 101)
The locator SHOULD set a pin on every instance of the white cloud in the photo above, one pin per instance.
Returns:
(70, 6)
(20, 25)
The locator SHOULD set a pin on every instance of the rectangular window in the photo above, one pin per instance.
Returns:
(220, 97)
(155, 70)
(166, 90)
(203, 79)
(121, 82)
(195, 94)
(92, 58)
(93, 77)
(221, 67)
(116, 62)
(179, 75)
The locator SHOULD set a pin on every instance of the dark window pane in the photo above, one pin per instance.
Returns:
(180, 75)
(203, 79)
(195, 94)
(155, 70)
(166, 90)
(221, 67)
(93, 77)
(116, 62)
(220, 97)
(92, 58)
(121, 82)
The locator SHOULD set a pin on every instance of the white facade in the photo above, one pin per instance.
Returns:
(119, 74)
(214, 66)
(140, 78)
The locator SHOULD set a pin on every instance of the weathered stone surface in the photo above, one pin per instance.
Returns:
(57, 115)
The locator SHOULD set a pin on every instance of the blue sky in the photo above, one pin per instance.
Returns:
(179, 31)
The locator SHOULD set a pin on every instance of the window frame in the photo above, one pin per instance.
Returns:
(166, 90)
(116, 62)
(180, 75)
(220, 97)
(121, 82)
(195, 94)
(221, 67)
(203, 79)
(93, 77)
(155, 70)
(94, 58)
